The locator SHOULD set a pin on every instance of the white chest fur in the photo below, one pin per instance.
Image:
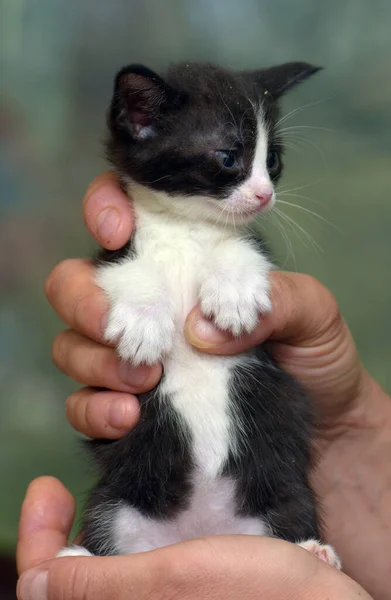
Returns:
(176, 264)
(196, 384)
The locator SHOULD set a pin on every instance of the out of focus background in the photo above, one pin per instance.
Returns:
(58, 60)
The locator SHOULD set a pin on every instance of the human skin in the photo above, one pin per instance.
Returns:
(309, 338)
(219, 567)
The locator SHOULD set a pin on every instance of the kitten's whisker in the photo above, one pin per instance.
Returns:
(288, 243)
(306, 127)
(228, 108)
(302, 187)
(305, 141)
(293, 147)
(311, 212)
(283, 217)
(287, 193)
(241, 121)
(156, 180)
(307, 235)
(301, 108)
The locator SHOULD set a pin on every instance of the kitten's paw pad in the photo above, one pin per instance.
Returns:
(323, 551)
(235, 302)
(73, 551)
(143, 334)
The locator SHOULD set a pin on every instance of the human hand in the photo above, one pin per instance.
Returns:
(309, 338)
(305, 331)
(221, 567)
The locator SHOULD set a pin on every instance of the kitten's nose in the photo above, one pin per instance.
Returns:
(264, 197)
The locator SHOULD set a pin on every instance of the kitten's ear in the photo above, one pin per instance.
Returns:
(281, 78)
(140, 97)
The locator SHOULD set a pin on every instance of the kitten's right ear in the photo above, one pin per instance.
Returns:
(140, 97)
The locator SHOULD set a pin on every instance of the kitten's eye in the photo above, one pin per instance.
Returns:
(273, 162)
(227, 158)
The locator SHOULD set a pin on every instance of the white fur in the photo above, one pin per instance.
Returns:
(235, 286)
(141, 319)
(134, 533)
(244, 203)
(188, 250)
(73, 551)
(324, 552)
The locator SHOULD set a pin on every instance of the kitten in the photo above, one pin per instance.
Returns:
(223, 443)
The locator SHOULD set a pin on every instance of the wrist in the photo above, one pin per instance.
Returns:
(353, 483)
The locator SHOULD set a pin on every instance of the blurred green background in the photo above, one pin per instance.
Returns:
(57, 64)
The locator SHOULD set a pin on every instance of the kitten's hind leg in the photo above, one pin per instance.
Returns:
(323, 551)
(74, 551)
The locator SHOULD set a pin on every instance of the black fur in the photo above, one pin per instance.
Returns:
(164, 134)
(112, 256)
(196, 110)
(149, 469)
(272, 464)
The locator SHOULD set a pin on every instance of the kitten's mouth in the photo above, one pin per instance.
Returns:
(253, 211)
(257, 210)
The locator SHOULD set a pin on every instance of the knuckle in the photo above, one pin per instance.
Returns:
(76, 411)
(308, 281)
(69, 578)
(82, 309)
(94, 367)
(72, 406)
(56, 277)
(325, 298)
(322, 297)
(60, 350)
(91, 413)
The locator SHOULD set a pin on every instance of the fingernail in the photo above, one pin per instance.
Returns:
(107, 223)
(116, 415)
(202, 333)
(134, 376)
(33, 585)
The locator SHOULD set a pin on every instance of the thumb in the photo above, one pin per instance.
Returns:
(303, 310)
(90, 578)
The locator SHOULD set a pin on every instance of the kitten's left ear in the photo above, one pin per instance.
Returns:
(281, 78)
(140, 98)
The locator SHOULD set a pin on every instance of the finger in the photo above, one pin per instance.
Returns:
(102, 414)
(303, 311)
(70, 578)
(107, 212)
(98, 366)
(79, 302)
(225, 567)
(46, 518)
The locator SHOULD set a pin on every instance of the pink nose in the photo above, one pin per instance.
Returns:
(264, 198)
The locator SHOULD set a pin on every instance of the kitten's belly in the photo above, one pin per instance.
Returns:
(211, 512)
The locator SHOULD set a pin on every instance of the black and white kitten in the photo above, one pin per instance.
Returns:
(222, 445)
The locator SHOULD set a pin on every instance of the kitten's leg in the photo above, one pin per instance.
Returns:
(323, 551)
(296, 519)
(141, 316)
(74, 551)
(234, 286)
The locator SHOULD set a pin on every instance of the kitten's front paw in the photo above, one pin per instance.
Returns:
(73, 551)
(235, 299)
(143, 333)
(322, 551)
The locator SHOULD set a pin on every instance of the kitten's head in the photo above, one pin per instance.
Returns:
(203, 139)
